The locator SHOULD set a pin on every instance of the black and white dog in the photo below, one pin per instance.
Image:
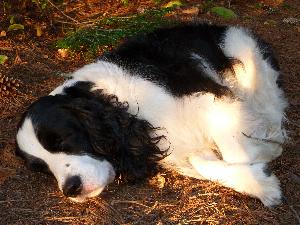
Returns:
(199, 99)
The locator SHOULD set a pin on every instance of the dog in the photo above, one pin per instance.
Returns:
(203, 100)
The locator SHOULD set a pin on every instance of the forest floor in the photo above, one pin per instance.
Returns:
(33, 198)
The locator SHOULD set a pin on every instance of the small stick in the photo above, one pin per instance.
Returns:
(129, 202)
(296, 214)
(63, 12)
(262, 139)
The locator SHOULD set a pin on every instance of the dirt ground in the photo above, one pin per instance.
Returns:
(168, 198)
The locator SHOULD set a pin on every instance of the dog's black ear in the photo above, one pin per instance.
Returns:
(129, 143)
(81, 89)
(137, 152)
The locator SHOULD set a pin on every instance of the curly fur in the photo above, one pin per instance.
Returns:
(129, 143)
(167, 98)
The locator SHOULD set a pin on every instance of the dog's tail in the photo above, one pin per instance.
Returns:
(252, 179)
(254, 78)
(254, 65)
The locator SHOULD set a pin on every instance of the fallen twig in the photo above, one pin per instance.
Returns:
(128, 202)
(70, 18)
(262, 139)
(295, 213)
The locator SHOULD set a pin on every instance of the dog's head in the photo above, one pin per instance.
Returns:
(86, 139)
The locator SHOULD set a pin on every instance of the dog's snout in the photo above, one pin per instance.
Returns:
(72, 186)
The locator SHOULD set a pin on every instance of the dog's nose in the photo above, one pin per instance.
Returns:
(72, 186)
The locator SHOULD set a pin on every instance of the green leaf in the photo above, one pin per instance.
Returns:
(3, 59)
(125, 2)
(12, 20)
(16, 26)
(223, 12)
(174, 3)
(157, 1)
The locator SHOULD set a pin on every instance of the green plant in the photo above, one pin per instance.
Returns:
(259, 5)
(109, 31)
(13, 25)
(173, 3)
(3, 59)
(125, 2)
(223, 12)
(206, 5)
(286, 6)
(40, 3)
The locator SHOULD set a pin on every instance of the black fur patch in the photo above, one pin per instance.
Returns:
(268, 54)
(165, 57)
(267, 171)
(56, 128)
(32, 162)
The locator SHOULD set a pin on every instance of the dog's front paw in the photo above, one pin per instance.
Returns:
(269, 191)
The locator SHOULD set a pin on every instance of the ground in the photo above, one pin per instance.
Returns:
(33, 198)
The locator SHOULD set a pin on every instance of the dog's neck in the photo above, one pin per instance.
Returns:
(145, 99)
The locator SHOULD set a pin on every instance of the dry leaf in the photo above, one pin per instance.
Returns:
(63, 52)
(3, 34)
(39, 31)
(158, 181)
(191, 11)
(18, 59)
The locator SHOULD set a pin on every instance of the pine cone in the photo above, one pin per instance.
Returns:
(8, 86)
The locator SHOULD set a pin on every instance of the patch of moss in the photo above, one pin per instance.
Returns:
(109, 31)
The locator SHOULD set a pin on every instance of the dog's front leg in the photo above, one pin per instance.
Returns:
(252, 179)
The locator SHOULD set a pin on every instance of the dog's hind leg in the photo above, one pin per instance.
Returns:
(252, 179)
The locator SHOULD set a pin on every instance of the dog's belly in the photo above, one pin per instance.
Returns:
(212, 128)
